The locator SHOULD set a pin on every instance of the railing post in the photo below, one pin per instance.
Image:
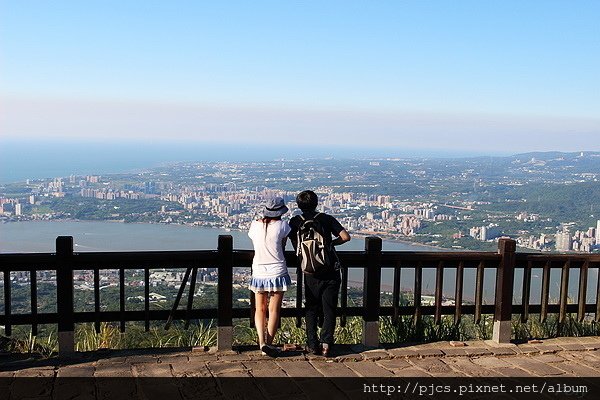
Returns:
(64, 294)
(225, 294)
(372, 292)
(505, 277)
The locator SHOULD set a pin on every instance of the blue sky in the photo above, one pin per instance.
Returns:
(459, 75)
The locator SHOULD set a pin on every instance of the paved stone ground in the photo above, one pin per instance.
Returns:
(551, 357)
(561, 357)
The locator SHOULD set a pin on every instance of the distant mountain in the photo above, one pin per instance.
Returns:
(552, 155)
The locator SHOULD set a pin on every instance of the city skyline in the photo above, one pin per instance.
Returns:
(466, 76)
(544, 201)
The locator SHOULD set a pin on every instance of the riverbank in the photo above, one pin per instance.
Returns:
(394, 238)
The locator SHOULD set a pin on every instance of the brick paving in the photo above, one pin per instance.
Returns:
(558, 357)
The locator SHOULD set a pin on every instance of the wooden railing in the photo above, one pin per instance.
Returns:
(372, 260)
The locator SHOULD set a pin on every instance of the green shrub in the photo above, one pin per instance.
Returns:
(204, 333)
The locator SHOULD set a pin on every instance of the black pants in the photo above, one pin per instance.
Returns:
(321, 299)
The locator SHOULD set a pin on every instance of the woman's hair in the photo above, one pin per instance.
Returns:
(307, 200)
(267, 221)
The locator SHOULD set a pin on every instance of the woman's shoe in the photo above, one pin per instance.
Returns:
(269, 350)
(325, 348)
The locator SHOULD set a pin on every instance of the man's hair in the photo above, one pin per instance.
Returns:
(307, 200)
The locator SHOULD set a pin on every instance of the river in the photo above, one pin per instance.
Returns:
(40, 236)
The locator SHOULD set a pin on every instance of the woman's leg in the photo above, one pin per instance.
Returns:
(274, 309)
(260, 316)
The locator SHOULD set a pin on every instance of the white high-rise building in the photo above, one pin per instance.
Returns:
(598, 232)
(563, 241)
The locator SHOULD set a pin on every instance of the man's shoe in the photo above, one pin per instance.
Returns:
(314, 350)
(325, 349)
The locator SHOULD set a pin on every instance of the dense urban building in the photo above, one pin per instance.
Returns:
(539, 200)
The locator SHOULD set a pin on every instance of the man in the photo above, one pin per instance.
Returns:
(322, 287)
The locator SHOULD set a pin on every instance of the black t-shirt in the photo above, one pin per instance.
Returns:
(331, 228)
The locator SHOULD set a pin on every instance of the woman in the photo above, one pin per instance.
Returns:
(269, 270)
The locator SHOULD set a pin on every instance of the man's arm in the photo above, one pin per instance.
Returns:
(342, 235)
(342, 238)
(293, 232)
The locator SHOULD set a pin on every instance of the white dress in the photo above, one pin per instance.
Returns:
(269, 270)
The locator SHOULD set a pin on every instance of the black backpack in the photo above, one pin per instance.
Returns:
(312, 250)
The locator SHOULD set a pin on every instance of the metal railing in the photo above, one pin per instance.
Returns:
(372, 260)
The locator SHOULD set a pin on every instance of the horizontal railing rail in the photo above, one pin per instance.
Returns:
(372, 261)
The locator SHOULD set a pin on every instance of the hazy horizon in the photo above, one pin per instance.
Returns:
(55, 158)
(64, 157)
